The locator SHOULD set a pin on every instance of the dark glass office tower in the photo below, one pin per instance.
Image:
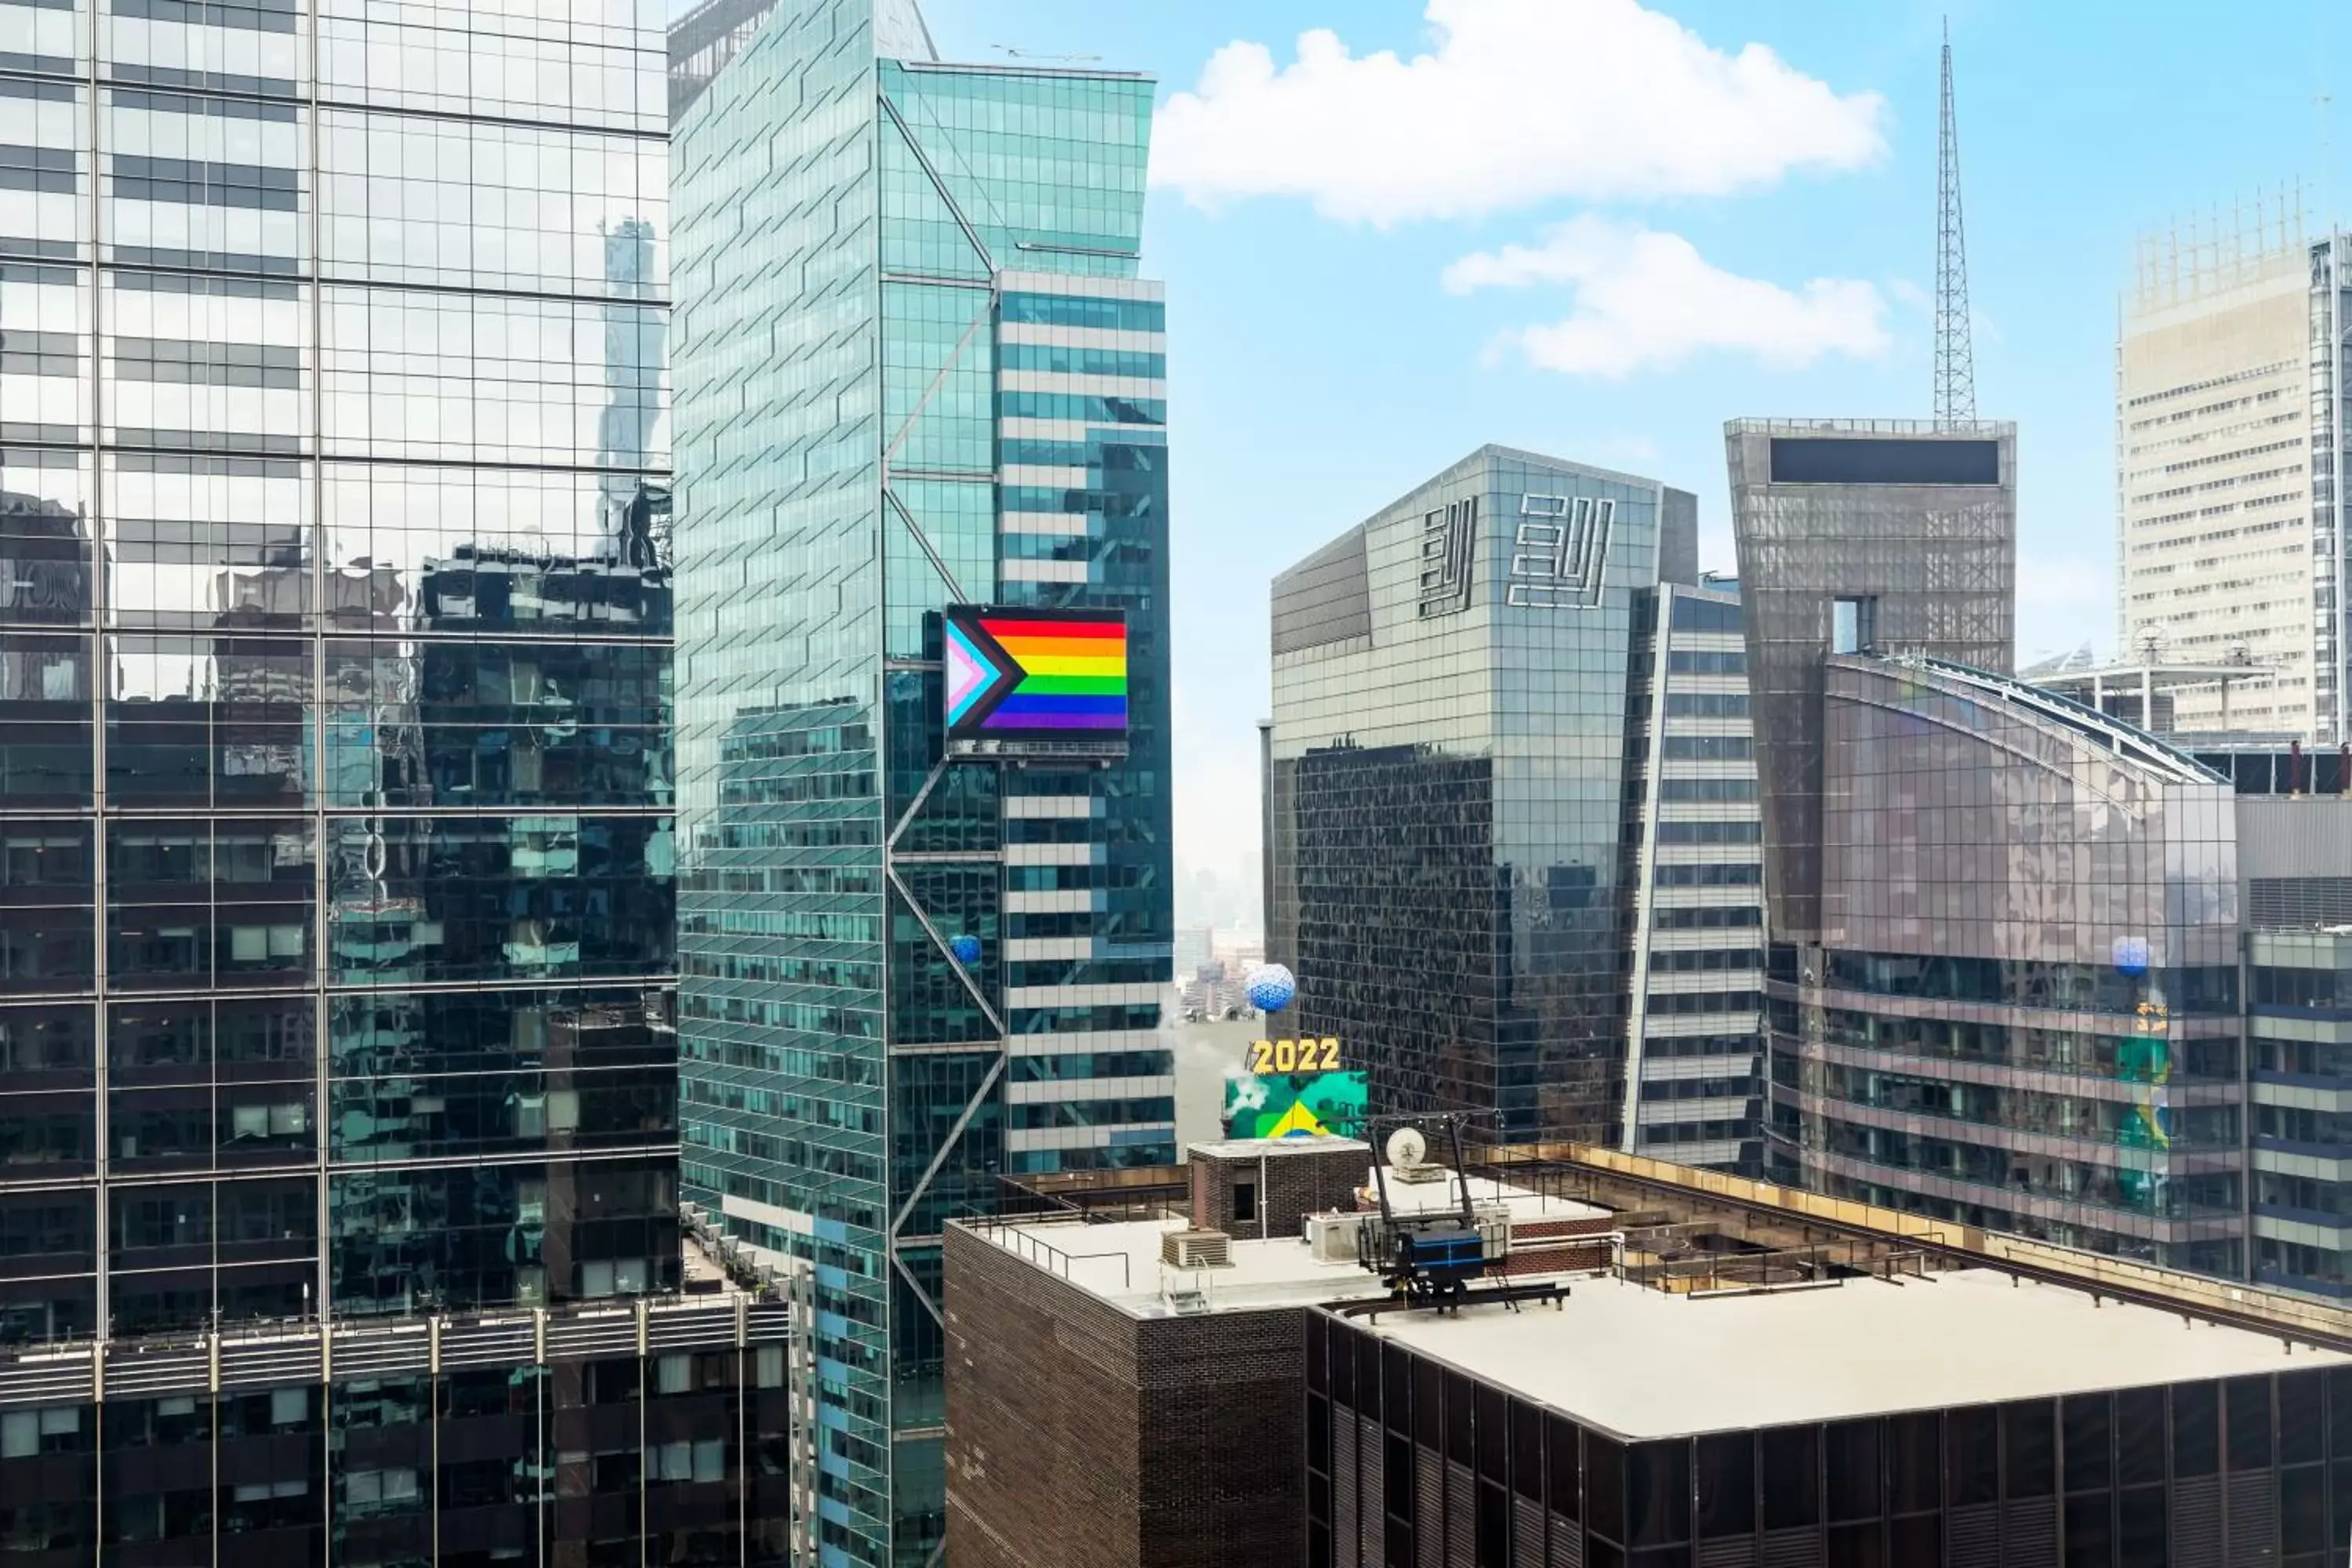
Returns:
(1461, 776)
(337, 1000)
(916, 370)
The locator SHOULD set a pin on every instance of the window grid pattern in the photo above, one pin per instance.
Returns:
(848, 405)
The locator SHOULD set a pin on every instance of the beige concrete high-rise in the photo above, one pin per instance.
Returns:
(2215, 463)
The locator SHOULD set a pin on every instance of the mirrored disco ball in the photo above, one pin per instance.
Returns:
(1271, 988)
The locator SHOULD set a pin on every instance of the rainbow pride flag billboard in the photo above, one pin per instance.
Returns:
(1029, 681)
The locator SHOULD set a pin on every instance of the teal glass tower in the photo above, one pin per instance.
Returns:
(915, 368)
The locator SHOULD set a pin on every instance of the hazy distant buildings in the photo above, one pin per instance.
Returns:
(1475, 693)
(2229, 530)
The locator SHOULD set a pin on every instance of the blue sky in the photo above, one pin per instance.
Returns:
(1308, 230)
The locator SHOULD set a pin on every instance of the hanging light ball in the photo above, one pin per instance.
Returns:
(1271, 988)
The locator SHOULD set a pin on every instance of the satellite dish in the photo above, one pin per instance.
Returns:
(1407, 1147)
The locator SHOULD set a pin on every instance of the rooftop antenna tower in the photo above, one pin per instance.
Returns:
(1956, 365)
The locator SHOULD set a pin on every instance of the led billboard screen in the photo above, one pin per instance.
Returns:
(1028, 680)
(1295, 1104)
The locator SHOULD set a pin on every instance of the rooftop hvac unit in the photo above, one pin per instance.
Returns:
(1494, 1225)
(1196, 1249)
(1331, 1237)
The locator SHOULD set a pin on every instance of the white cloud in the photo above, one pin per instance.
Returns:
(1521, 101)
(1910, 294)
(1646, 300)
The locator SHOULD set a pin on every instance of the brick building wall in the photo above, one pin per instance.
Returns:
(1224, 1404)
(1547, 1247)
(1080, 1437)
(1293, 1180)
(1041, 1417)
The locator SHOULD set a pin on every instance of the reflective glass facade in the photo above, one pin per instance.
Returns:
(916, 369)
(1456, 792)
(336, 850)
(1913, 531)
(2033, 1022)
(2004, 930)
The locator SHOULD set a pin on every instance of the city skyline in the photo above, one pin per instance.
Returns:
(2057, 195)
(640, 676)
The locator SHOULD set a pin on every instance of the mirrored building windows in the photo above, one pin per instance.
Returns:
(337, 865)
(2003, 982)
(1458, 784)
(917, 369)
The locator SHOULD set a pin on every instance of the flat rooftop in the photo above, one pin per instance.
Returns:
(1642, 1364)
(1118, 1261)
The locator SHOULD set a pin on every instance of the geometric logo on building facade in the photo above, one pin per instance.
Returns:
(1560, 554)
(1449, 543)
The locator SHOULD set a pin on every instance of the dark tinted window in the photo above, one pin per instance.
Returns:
(2303, 1511)
(1657, 1492)
(2029, 1448)
(1526, 1450)
(1458, 1417)
(1560, 1451)
(1972, 1446)
(2196, 1428)
(1694, 614)
(1812, 461)
(1792, 1477)
(1428, 1406)
(2248, 1401)
(2302, 1429)
(1851, 1461)
(2088, 1427)
(1397, 1475)
(2140, 1436)
(1604, 1480)
(1727, 1484)
(1914, 1465)
(2140, 1518)
(1494, 1435)
(1494, 1528)
(2089, 1528)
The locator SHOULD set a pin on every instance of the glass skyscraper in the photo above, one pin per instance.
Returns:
(1512, 840)
(916, 370)
(339, 1206)
(2002, 982)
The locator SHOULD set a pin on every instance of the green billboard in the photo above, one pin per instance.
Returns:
(1295, 1104)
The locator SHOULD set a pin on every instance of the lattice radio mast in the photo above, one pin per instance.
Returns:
(1955, 364)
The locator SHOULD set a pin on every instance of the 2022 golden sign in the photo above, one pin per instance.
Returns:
(1295, 1056)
